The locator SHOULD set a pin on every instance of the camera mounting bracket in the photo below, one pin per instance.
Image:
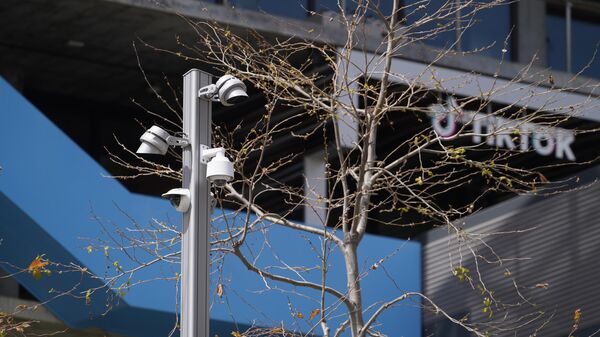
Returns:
(177, 141)
(206, 153)
(208, 92)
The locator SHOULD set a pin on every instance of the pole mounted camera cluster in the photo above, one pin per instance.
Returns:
(228, 90)
(203, 166)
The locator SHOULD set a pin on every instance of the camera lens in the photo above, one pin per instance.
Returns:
(175, 200)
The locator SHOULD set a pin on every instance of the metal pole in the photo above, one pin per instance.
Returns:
(195, 254)
(458, 26)
(568, 37)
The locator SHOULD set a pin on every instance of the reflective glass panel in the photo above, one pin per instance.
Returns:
(326, 5)
(555, 42)
(289, 8)
(429, 32)
(586, 40)
(489, 30)
(385, 6)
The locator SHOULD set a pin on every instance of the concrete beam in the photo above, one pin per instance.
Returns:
(531, 26)
(246, 19)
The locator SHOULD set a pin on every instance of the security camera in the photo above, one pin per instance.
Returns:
(179, 198)
(219, 170)
(156, 141)
(229, 90)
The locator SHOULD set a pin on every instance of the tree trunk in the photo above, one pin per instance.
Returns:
(353, 283)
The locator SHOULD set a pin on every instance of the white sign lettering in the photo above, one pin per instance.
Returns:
(503, 132)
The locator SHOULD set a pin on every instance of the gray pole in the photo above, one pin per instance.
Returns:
(458, 26)
(568, 37)
(195, 254)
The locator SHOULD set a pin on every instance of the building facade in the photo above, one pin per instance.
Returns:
(74, 62)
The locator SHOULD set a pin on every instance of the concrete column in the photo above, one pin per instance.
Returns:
(315, 188)
(531, 31)
(347, 81)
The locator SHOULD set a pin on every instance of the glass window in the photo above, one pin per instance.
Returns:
(488, 30)
(290, 8)
(385, 6)
(585, 43)
(413, 14)
(584, 38)
(556, 41)
(326, 6)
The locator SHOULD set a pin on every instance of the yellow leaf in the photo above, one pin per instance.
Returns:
(314, 313)
(220, 290)
(299, 315)
(236, 334)
(37, 266)
(37, 263)
(577, 316)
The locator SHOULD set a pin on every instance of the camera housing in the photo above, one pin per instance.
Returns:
(179, 198)
(219, 170)
(231, 90)
(228, 90)
(157, 141)
(154, 141)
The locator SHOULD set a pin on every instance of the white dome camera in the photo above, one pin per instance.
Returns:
(179, 198)
(229, 90)
(219, 170)
(154, 141)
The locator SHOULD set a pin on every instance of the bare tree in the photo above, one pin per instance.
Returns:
(342, 97)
